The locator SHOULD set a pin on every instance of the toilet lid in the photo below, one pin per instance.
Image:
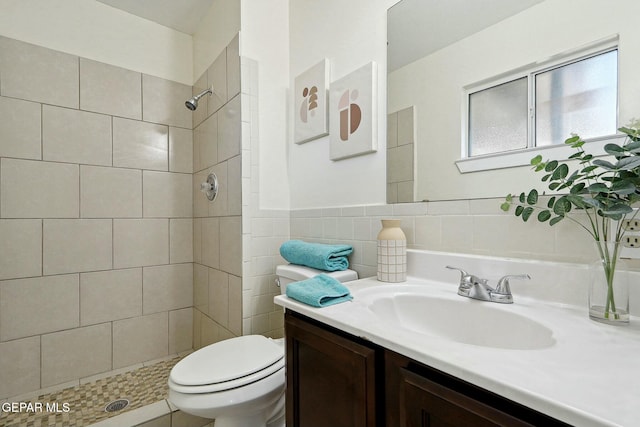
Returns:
(228, 360)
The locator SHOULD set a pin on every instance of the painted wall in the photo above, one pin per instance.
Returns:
(505, 46)
(350, 34)
(96, 31)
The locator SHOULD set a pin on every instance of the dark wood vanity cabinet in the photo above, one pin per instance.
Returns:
(337, 380)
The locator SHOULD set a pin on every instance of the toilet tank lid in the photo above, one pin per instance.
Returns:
(299, 272)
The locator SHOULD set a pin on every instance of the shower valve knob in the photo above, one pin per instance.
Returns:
(210, 186)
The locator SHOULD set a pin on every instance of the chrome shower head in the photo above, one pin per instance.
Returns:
(192, 103)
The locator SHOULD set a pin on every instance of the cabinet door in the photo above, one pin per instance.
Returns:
(330, 379)
(424, 403)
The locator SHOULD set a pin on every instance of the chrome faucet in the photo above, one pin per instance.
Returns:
(472, 286)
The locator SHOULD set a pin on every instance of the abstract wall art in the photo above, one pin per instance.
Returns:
(310, 106)
(353, 114)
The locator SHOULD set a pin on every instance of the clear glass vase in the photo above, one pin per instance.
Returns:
(609, 287)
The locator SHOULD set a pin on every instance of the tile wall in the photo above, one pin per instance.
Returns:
(96, 218)
(400, 156)
(217, 225)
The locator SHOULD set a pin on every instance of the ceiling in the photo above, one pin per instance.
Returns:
(181, 15)
(416, 28)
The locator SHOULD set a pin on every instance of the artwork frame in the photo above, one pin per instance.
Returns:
(311, 109)
(353, 109)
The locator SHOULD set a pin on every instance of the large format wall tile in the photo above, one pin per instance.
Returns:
(140, 145)
(217, 77)
(139, 339)
(180, 150)
(167, 194)
(110, 90)
(34, 189)
(54, 299)
(231, 245)
(180, 330)
(140, 242)
(229, 130)
(167, 287)
(18, 378)
(78, 352)
(110, 295)
(180, 240)
(233, 67)
(20, 128)
(20, 248)
(110, 192)
(163, 102)
(74, 245)
(205, 144)
(75, 136)
(38, 74)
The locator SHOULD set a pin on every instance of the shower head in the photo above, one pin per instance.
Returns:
(192, 103)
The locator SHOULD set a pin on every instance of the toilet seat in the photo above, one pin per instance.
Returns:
(228, 364)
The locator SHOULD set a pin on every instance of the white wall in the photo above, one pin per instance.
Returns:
(217, 28)
(96, 31)
(265, 39)
(435, 83)
(350, 34)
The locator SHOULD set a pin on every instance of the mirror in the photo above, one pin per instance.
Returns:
(437, 47)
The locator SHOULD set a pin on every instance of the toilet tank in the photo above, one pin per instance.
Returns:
(290, 273)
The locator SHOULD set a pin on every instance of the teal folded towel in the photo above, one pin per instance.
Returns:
(319, 291)
(316, 255)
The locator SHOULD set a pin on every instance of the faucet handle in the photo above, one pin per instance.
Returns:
(503, 283)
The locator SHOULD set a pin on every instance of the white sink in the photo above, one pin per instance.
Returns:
(447, 315)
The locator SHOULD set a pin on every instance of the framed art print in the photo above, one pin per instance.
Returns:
(311, 109)
(353, 114)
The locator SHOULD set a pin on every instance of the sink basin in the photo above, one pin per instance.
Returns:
(459, 319)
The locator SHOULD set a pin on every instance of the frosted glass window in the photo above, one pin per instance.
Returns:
(577, 98)
(498, 119)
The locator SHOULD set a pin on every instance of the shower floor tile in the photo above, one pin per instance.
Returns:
(84, 405)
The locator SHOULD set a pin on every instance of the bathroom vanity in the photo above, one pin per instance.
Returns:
(418, 354)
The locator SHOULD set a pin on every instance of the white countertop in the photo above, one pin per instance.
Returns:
(589, 377)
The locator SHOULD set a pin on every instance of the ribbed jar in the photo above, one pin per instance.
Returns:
(392, 252)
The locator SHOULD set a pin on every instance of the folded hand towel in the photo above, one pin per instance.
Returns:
(319, 291)
(316, 255)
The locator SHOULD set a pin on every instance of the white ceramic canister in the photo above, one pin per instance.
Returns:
(392, 252)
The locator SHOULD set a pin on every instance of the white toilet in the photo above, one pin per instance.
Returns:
(240, 381)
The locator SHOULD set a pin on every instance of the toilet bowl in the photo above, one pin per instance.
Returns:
(239, 382)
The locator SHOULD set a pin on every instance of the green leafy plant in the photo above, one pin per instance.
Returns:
(600, 189)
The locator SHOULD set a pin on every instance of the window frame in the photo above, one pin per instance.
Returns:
(522, 156)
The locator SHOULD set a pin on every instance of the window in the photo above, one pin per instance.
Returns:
(541, 105)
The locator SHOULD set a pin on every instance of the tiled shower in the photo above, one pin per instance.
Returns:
(103, 234)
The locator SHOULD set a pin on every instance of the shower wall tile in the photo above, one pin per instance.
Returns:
(167, 287)
(163, 102)
(140, 242)
(78, 352)
(167, 194)
(23, 377)
(234, 186)
(201, 113)
(110, 90)
(110, 295)
(233, 67)
(219, 296)
(22, 184)
(110, 192)
(53, 298)
(20, 128)
(140, 145)
(180, 240)
(217, 77)
(229, 130)
(76, 245)
(180, 330)
(180, 150)
(200, 201)
(201, 287)
(38, 74)
(231, 245)
(75, 136)
(211, 242)
(235, 304)
(205, 144)
(140, 338)
(21, 248)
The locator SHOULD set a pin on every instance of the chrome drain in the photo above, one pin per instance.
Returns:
(116, 405)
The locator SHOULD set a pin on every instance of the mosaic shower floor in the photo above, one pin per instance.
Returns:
(84, 405)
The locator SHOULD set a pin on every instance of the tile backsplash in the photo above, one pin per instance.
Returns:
(96, 218)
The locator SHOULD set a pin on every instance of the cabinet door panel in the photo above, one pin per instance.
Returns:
(330, 379)
(424, 403)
